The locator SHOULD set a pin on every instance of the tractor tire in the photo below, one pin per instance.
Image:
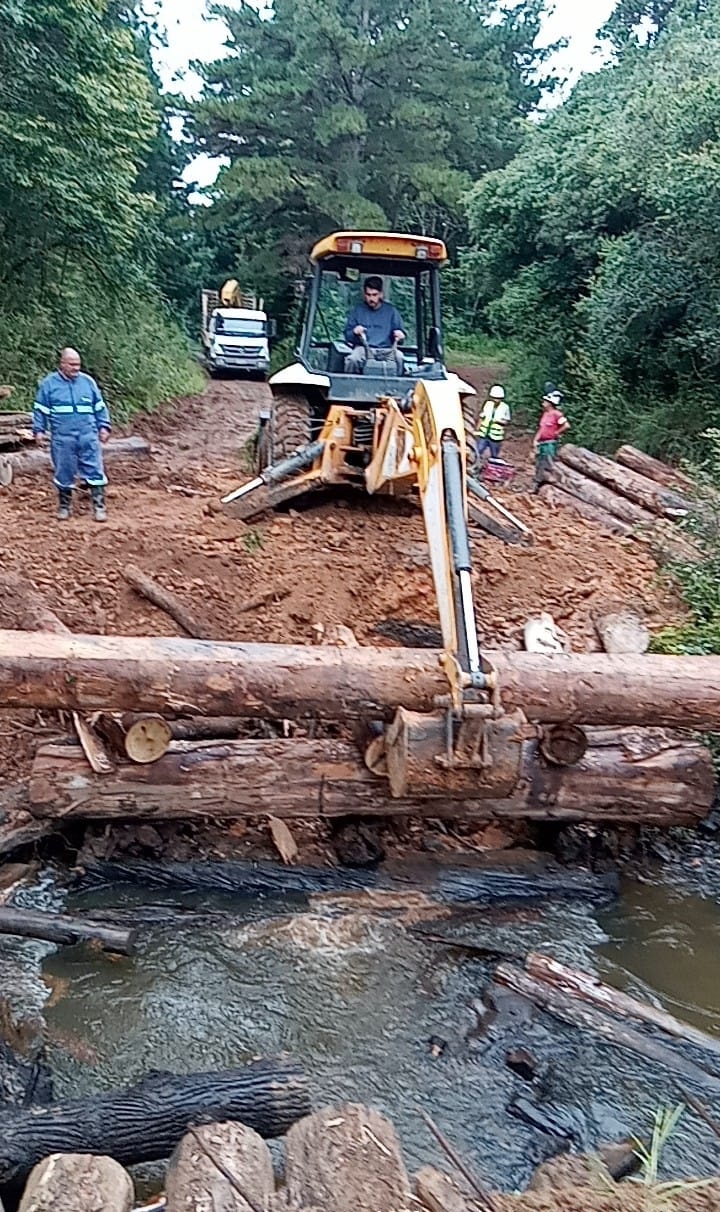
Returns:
(291, 424)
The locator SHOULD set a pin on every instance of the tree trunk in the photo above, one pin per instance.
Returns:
(557, 498)
(59, 928)
(146, 1122)
(653, 469)
(165, 600)
(596, 495)
(22, 607)
(569, 1010)
(116, 450)
(644, 491)
(282, 681)
(671, 782)
(345, 1159)
(15, 420)
(492, 879)
(77, 1182)
(199, 1170)
(588, 988)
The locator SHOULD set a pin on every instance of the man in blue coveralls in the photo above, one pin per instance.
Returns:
(69, 405)
(374, 328)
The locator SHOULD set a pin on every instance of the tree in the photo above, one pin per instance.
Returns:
(597, 248)
(378, 114)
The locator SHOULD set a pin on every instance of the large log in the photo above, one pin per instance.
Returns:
(653, 469)
(223, 1167)
(282, 681)
(78, 1182)
(588, 988)
(488, 879)
(146, 1122)
(595, 494)
(644, 491)
(556, 498)
(671, 782)
(569, 1010)
(61, 928)
(116, 450)
(345, 1159)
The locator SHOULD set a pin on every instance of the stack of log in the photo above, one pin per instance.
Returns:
(633, 494)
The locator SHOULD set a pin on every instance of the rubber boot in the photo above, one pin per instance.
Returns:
(98, 500)
(65, 504)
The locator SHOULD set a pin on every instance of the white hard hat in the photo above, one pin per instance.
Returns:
(497, 392)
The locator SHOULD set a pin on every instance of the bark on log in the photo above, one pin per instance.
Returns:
(644, 491)
(14, 420)
(653, 469)
(486, 880)
(568, 1010)
(590, 989)
(145, 1122)
(595, 494)
(196, 1177)
(281, 681)
(116, 450)
(78, 1182)
(61, 928)
(208, 728)
(22, 607)
(556, 498)
(165, 600)
(345, 1159)
(671, 783)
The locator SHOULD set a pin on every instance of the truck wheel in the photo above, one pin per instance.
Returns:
(291, 424)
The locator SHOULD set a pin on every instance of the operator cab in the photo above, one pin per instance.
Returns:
(409, 269)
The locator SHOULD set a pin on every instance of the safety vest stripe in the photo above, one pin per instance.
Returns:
(41, 408)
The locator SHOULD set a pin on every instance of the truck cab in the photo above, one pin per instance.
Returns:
(236, 338)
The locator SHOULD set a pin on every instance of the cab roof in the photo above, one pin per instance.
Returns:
(380, 244)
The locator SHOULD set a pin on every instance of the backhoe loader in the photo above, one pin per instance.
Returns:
(394, 434)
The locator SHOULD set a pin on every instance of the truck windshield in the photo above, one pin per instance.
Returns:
(239, 328)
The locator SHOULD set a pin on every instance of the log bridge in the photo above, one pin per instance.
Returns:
(636, 761)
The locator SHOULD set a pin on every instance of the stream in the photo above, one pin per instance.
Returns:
(358, 999)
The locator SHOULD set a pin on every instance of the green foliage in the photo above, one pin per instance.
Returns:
(85, 157)
(336, 114)
(597, 247)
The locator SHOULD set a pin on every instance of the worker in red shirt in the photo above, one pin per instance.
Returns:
(553, 424)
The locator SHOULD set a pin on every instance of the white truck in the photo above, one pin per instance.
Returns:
(236, 331)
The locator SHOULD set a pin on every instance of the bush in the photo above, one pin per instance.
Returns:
(130, 344)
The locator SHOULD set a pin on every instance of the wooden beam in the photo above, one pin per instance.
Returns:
(652, 778)
(284, 681)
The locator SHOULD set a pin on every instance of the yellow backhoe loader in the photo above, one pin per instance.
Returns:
(394, 433)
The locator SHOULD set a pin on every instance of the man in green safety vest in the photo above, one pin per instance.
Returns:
(492, 425)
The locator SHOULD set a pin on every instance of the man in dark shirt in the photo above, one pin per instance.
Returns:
(374, 328)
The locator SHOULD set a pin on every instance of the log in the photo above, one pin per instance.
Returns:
(14, 420)
(208, 728)
(623, 631)
(482, 880)
(61, 928)
(653, 469)
(587, 1018)
(21, 606)
(588, 988)
(345, 1159)
(146, 1122)
(670, 783)
(282, 681)
(197, 1177)
(556, 498)
(116, 450)
(77, 1182)
(165, 600)
(640, 489)
(594, 494)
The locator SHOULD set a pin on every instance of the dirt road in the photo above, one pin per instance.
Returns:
(358, 561)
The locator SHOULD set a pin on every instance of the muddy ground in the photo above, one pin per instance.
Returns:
(357, 561)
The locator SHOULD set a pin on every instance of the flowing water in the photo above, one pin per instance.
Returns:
(357, 999)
